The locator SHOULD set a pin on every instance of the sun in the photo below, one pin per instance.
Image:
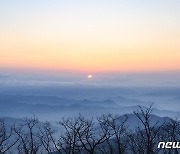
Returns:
(90, 76)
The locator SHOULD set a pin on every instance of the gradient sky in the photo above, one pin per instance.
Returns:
(90, 35)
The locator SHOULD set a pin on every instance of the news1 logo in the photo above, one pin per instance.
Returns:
(169, 145)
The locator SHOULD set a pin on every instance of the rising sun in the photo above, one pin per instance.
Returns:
(90, 76)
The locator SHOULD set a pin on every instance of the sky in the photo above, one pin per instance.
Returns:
(90, 35)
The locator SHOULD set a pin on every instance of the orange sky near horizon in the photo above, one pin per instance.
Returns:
(102, 40)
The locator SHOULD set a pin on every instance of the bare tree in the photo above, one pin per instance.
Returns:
(80, 135)
(108, 135)
(170, 132)
(91, 136)
(69, 141)
(136, 143)
(47, 138)
(7, 140)
(117, 139)
(145, 140)
(29, 142)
